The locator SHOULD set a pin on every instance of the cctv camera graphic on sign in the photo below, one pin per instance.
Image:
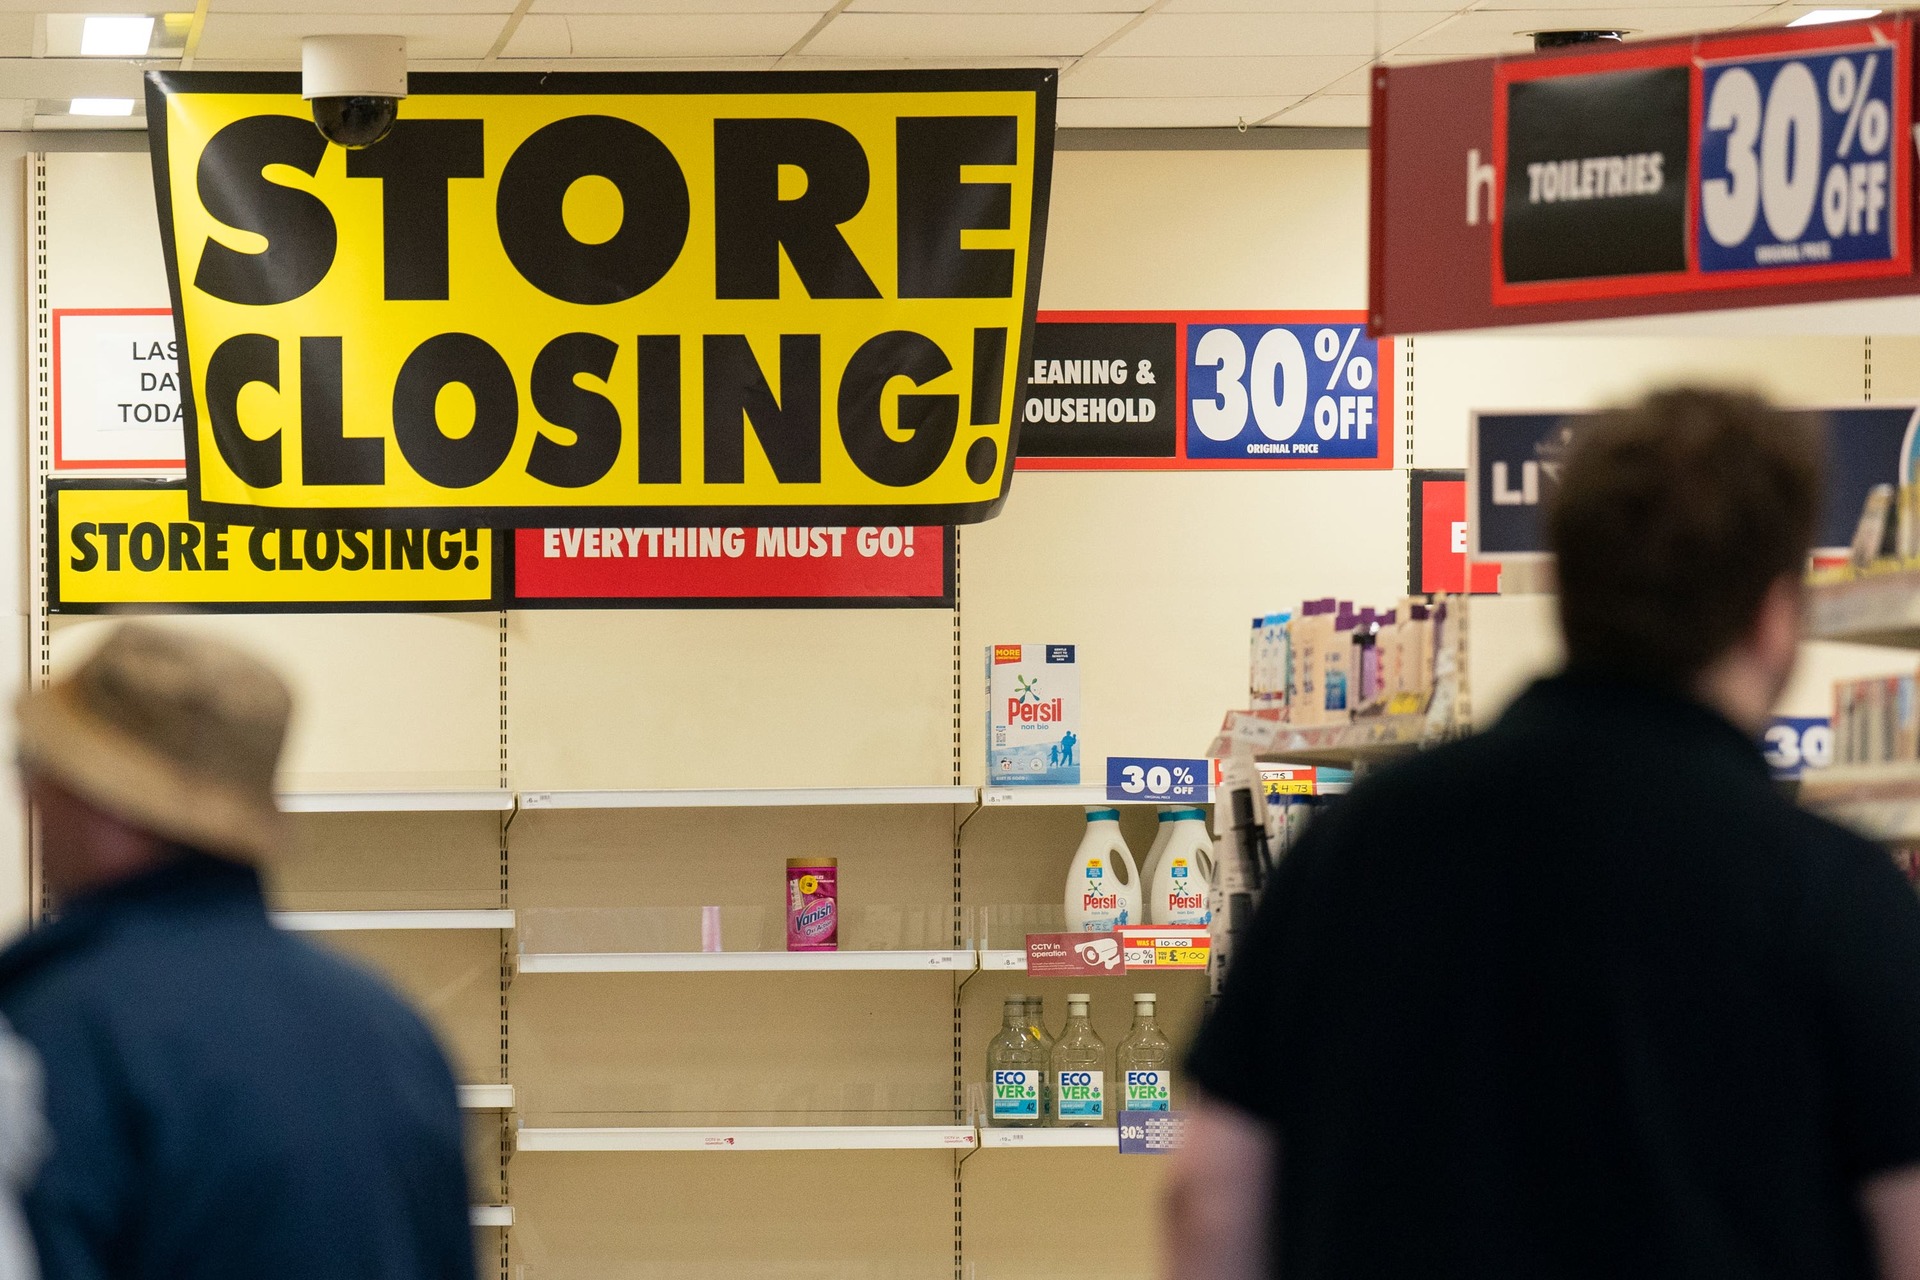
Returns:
(563, 300)
(1104, 952)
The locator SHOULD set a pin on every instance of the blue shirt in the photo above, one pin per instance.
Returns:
(228, 1102)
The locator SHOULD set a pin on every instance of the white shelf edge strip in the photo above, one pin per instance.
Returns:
(1004, 1139)
(752, 1138)
(997, 797)
(491, 1215)
(746, 797)
(331, 921)
(486, 1097)
(495, 801)
(746, 961)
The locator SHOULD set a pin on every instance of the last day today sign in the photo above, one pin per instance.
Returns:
(715, 298)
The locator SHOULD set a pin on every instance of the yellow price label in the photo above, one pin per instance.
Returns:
(1180, 957)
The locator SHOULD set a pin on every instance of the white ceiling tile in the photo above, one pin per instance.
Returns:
(1483, 34)
(1020, 8)
(657, 35)
(1105, 77)
(540, 36)
(1201, 35)
(1357, 81)
(1310, 6)
(276, 36)
(1640, 9)
(406, 7)
(685, 8)
(1166, 113)
(1331, 111)
(904, 35)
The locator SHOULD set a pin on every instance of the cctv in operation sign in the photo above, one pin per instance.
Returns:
(714, 298)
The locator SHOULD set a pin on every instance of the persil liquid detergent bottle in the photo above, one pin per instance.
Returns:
(1178, 891)
(1162, 829)
(1098, 899)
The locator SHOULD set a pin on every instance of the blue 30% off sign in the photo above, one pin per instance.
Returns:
(1167, 781)
(1796, 161)
(1282, 390)
(1795, 744)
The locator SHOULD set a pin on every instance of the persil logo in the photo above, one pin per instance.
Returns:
(1005, 653)
(1185, 901)
(1051, 712)
(1092, 901)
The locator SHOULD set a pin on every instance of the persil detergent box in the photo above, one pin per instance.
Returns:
(1033, 715)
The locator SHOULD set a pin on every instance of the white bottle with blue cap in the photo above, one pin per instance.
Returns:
(1177, 889)
(1099, 899)
(1163, 829)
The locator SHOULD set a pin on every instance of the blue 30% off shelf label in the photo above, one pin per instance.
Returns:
(1795, 744)
(1796, 161)
(1299, 391)
(1167, 781)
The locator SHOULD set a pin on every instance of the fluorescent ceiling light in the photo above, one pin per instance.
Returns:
(1820, 17)
(101, 107)
(116, 36)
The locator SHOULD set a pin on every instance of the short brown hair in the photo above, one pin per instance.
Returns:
(1671, 520)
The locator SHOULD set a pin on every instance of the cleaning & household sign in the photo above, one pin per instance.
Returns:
(1033, 715)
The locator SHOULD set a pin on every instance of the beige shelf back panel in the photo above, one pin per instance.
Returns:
(384, 701)
(452, 976)
(389, 862)
(860, 1215)
(726, 697)
(689, 858)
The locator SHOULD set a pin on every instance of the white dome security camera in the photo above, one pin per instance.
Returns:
(355, 84)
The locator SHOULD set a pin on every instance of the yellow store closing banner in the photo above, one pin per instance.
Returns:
(130, 545)
(669, 298)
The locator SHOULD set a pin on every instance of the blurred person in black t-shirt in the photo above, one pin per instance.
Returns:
(1585, 995)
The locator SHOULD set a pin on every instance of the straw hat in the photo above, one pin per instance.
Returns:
(178, 734)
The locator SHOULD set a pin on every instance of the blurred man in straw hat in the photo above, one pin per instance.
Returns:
(226, 1102)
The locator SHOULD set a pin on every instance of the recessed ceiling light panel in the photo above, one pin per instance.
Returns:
(1820, 17)
(100, 107)
(117, 35)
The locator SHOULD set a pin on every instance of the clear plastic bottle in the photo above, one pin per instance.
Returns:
(1037, 1023)
(1079, 1070)
(1016, 1069)
(1145, 1061)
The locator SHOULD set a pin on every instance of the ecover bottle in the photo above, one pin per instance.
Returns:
(1145, 1061)
(1016, 1066)
(1037, 1023)
(1079, 1070)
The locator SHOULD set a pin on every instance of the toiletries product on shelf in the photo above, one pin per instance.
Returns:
(1016, 1067)
(1144, 1061)
(1311, 632)
(1268, 661)
(1416, 651)
(1336, 679)
(813, 904)
(1079, 1069)
(1033, 715)
(1177, 891)
(1099, 898)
